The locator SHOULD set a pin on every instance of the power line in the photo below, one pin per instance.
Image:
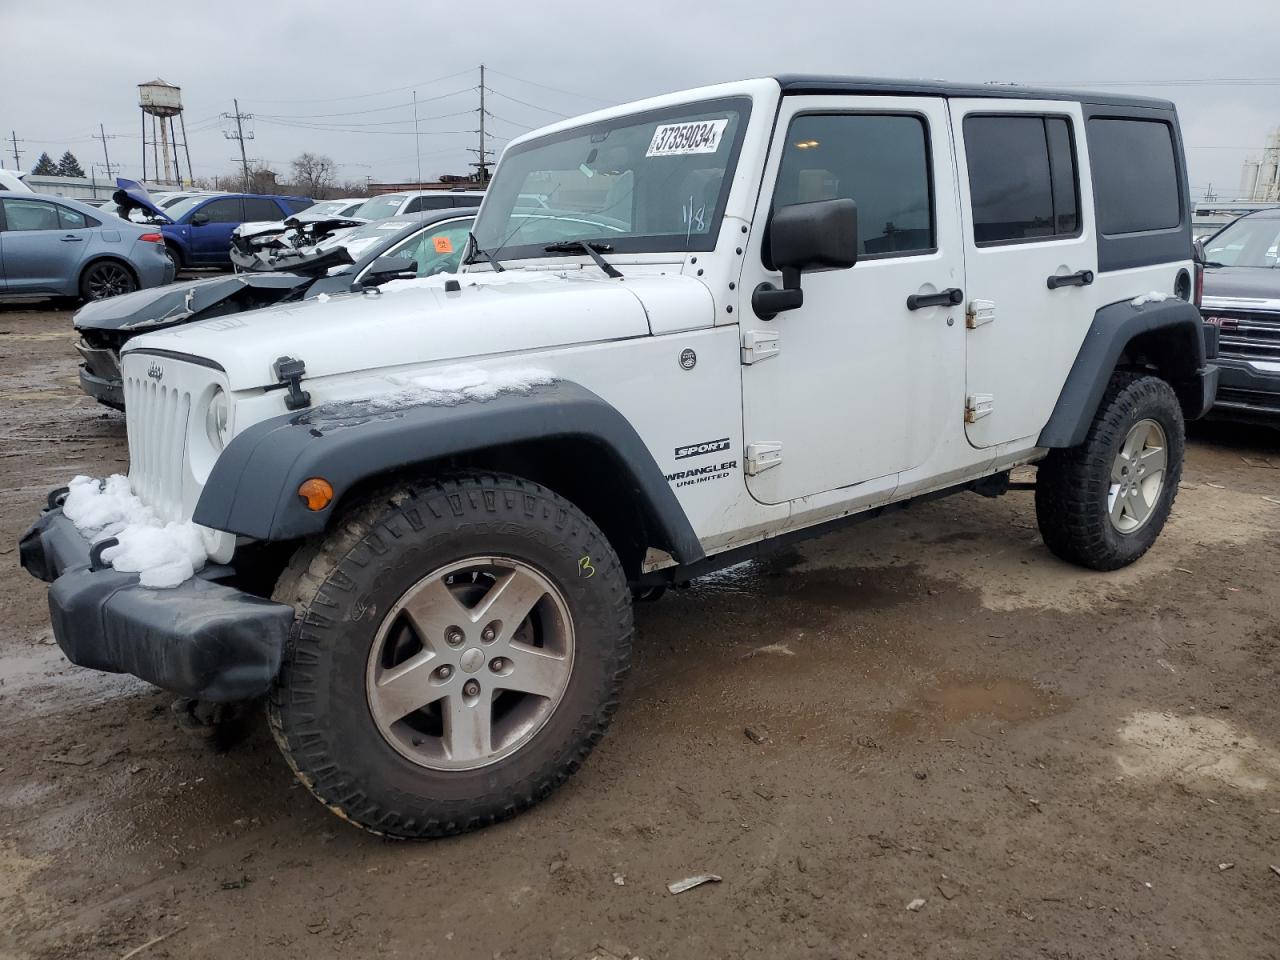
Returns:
(352, 113)
(534, 83)
(525, 103)
(365, 96)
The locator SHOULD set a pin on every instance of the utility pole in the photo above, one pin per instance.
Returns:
(482, 155)
(240, 135)
(417, 144)
(102, 135)
(13, 136)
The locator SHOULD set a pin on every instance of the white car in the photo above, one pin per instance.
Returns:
(740, 316)
(334, 215)
(412, 201)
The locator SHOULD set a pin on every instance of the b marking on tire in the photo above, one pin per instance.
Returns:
(585, 569)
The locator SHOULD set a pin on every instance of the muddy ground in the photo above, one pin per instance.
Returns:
(1058, 763)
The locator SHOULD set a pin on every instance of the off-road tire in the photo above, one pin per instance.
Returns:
(341, 584)
(1072, 484)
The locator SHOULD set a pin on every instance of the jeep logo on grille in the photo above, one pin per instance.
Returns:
(155, 372)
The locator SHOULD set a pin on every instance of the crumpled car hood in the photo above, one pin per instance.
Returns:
(414, 322)
(180, 302)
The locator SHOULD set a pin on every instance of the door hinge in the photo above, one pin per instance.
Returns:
(763, 455)
(977, 406)
(759, 345)
(979, 312)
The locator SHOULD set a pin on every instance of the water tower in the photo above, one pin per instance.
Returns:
(162, 102)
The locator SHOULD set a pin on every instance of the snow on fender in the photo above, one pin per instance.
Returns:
(164, 555)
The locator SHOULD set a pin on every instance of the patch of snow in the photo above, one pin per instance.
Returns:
(1155, 296)
(449, 386)
(322, 297)
(162, 554)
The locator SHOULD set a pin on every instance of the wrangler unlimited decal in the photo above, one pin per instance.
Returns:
(685, 478)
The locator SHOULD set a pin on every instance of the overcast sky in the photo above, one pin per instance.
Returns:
(338, 78)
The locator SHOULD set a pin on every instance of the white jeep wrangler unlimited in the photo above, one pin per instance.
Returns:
(687, 329)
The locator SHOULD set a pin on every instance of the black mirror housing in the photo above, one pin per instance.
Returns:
(803, 237)
(199, 219)
(390, 268)
(821, 235)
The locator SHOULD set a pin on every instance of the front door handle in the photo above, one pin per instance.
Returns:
(69, 238)
(943, 298)
(1081, 278)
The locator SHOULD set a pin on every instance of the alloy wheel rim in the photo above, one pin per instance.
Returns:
(470, 663)
(108, 281)
(1137, 476)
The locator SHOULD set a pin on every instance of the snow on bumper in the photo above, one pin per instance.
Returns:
(200, 639)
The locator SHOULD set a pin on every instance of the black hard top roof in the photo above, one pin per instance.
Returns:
(877, 86)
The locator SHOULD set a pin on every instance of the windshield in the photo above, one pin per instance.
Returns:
(652, 182)
(183, 207)
(1249, 242)
(325, 208)
(377, 208)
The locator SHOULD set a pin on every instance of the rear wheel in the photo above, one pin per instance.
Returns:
(106, 278)
(457, 653)
(1102, 504)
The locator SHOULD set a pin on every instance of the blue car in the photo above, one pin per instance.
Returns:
(54, 246)
(197, 230)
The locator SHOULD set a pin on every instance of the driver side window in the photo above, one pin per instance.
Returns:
(223, 211)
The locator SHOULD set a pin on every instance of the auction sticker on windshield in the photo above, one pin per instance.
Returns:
(681, 139)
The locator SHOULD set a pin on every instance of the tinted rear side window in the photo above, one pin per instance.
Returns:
(261, 208)
(1022, 178)
(1135, 175)
(880, 161)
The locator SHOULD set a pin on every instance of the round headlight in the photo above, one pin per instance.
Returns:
(218, 419)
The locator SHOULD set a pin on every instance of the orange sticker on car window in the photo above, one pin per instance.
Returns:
(443, 245)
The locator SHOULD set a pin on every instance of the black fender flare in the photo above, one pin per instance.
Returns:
(1173, 326)
(252, 490)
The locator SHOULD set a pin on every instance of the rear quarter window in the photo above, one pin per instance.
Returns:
(1135, 175)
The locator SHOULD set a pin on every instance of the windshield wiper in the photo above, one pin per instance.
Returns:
(477, 252)
(592, 249)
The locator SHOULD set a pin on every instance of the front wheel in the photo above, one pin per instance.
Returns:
(457, 653)
(1102, 504)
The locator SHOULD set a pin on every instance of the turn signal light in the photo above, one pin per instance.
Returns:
(316, 493)
(152, 238)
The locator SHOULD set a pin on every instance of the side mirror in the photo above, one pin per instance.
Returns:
(804, 237)
(199, 219)
(389, 268)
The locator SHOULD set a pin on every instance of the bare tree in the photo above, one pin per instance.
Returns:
(313, 174)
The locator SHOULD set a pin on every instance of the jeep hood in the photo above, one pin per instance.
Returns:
(184, 302)
(414, 322)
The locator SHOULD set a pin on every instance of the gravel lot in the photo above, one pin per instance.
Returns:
(1058, 763)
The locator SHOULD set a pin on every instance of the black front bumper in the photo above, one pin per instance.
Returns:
(109, 392)
(1246, 393)
(201, 639)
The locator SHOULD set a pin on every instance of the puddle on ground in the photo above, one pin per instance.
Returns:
(1190, 750)
(847, 588)
(953, 699)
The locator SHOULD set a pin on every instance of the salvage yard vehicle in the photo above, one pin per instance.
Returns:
(385, 251)
(197, 229)
(61, 247)
(416, 201)
(743, 315)
(1242, 299)
(307, 228)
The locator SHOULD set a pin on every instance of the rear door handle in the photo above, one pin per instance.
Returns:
(943, 298)
(1081, 278)
(72, 239)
